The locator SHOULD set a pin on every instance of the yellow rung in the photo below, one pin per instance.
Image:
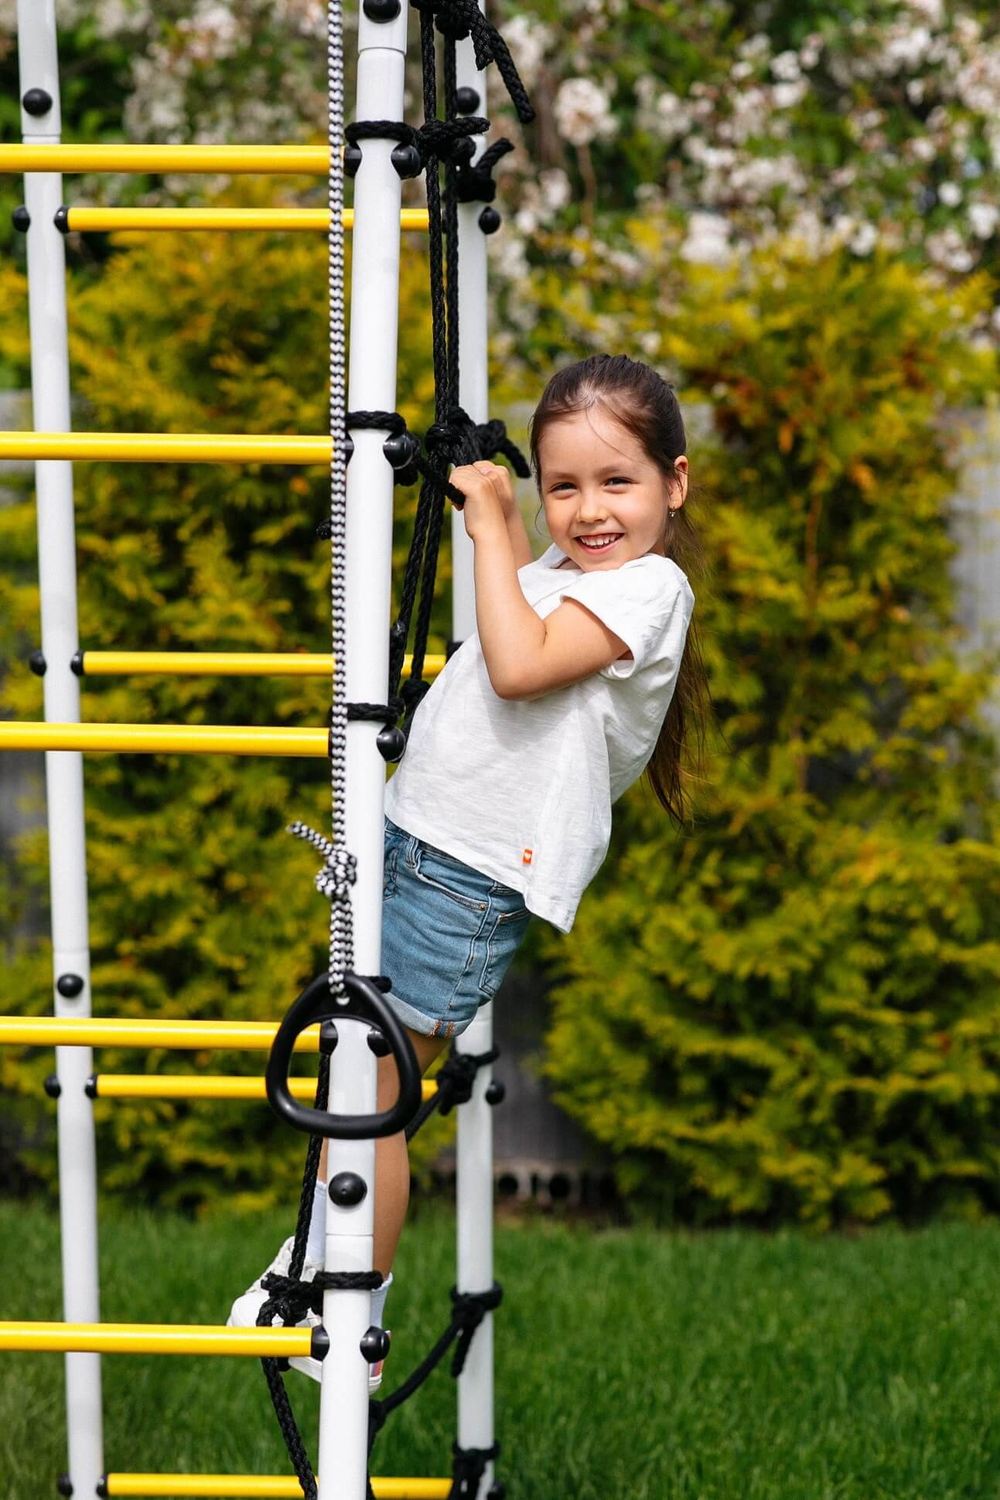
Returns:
(167, 447)
(224, 663)
(313, 161)
(155, 1338)
(107, 1031)
(165, 739)
(84, 220)
(259, 1486)
(187, 1086)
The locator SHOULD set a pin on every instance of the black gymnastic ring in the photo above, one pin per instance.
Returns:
(366, 1003)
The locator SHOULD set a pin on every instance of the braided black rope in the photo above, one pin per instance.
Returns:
(455, 1081)
(468, 1465)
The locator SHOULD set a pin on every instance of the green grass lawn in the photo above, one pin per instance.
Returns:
(632, 1364)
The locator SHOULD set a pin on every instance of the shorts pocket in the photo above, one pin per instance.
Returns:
(501, 945)
(449, 876)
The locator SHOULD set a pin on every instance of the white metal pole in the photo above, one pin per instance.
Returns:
(474, 1173)
(374, 318)
(40, 122)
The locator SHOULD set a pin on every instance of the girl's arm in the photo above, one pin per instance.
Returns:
(525, 655)
(519, 543)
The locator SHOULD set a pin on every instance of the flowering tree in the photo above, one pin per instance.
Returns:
(874, 123)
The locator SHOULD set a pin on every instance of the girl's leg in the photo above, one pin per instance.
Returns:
(392, 1158)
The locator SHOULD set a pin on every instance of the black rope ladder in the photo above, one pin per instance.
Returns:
(453, 438)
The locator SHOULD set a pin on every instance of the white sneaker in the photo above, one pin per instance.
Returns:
(245, 1310)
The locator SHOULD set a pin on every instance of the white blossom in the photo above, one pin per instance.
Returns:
(947, 248)
(786, 95)
(950, 194)
(978, 83)
(983, 218)
(583, 111)
(786, 66)
(931, 11)
(660, 111)
(707, 239)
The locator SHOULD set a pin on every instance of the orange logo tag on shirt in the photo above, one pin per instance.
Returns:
(526, 857)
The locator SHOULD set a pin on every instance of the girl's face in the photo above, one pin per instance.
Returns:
(605, 501)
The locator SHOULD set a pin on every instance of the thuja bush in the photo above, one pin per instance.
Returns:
(788, 1011)
(200, 904)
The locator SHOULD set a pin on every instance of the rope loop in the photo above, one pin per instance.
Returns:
(468, 1465)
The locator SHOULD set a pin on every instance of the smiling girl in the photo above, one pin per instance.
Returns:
(583, 674)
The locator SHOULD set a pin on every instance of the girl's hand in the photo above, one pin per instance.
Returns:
(489, 496)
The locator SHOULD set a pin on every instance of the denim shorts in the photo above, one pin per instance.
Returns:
(448, 934)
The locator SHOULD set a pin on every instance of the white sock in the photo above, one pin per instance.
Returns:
(316, 1250)
(316, 1246)
(378, 1302)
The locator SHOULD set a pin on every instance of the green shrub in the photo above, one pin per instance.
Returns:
(790, 1013)
(200, 904)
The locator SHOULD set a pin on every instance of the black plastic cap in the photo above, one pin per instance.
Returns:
(496, 1092)
(390, 743)
(489, 220)
(52, 1086)
(381, 11)
(64, 1485)
(76, 664)
(102, 1487)
(90, 1087)
(21, 219)
(466, 100)
(377, 1043)
(61, 219)
(374, 1345)
(320, 1343)
(328, 1038)
(69, 986)
(406, 160)
(36, 661)
(37, 102)
(400, 448)
(352, 159)
(347, 1189)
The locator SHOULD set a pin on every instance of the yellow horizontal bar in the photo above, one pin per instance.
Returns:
(188, 1086)
(107, 1031)
(258, 1486)
(84, 220)
(154, 1338)
(167, 447)
(225, 663)
(313, 161)
(165, 739)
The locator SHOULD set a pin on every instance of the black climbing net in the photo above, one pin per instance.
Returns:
(453, 438)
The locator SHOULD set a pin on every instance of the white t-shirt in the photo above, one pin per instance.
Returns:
(522, 789)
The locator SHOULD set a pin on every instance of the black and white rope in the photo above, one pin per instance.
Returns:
(338, 873)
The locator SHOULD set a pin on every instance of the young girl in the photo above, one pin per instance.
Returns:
(576, 682)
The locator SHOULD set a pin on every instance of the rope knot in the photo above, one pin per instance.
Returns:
(339, 869)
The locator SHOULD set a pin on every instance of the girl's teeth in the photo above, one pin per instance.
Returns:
(597, 546)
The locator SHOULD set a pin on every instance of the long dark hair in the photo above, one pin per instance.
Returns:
(645, 405)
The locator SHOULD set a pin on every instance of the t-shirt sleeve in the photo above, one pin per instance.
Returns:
(648, 602)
